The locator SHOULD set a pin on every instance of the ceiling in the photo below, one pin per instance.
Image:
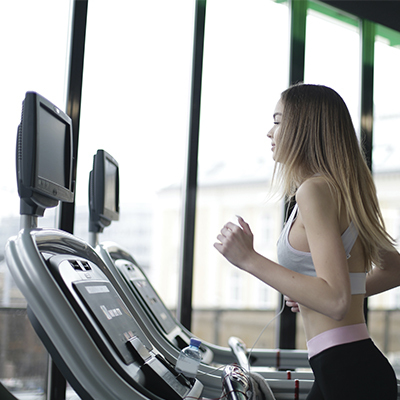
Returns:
(383, 12)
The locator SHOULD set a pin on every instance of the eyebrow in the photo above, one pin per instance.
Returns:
(276, 115)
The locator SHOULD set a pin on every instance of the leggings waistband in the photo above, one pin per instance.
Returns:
(335, 337)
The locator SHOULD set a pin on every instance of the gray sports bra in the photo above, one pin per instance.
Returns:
(301, 261)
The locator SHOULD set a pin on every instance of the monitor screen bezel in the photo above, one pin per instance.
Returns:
(101, 215)
(111, 213)
(38, 192)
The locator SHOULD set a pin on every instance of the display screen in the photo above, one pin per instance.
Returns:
(51, 142)
(44, 156)
(110, 186)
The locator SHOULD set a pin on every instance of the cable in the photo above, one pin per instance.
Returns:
(265, 327)
(254, 345)
(248, 357)
(213, 370)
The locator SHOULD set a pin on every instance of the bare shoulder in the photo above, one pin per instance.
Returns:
(315, 195)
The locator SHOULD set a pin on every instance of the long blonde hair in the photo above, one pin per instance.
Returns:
(317, 136)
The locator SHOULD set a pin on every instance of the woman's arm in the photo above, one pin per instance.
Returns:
(387, 277)
(329, 292)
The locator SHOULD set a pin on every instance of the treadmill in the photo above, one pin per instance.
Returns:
(74, 307)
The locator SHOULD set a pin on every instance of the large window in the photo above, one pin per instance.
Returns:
(333, 54)
(244, 71)
(386, 143)
(35, 53)
(136, 92)
(386, 102)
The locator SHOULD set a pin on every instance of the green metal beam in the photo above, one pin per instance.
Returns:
(367, 87)
(334, 13)
(298, 18)
(393, 37)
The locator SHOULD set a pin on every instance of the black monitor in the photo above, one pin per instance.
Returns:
(44, 156)
(103, 191)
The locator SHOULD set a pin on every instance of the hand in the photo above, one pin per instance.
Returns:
(236, 243)
(294, 306)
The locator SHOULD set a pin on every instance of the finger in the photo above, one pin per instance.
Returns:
(245, 226)
(225, 234)
(230, 226)
(218, 246)
(220, 238)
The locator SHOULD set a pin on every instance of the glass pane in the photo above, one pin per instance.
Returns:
(386, 102)
(23, 358)
(136, 93)
(35, 52)
(333, 55)
(386, 170)
(245, 69)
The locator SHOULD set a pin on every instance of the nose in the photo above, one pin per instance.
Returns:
(270, 133)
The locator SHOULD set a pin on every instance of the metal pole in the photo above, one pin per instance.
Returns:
(184, 309)
(298, 19)
(56, 384)
(286, 326)
(367, 38)
(367, 87)
(74, 96)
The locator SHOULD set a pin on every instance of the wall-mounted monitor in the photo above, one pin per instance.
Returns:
(103, 191)
(44, 156)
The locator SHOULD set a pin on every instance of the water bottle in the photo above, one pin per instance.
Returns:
(189, 359)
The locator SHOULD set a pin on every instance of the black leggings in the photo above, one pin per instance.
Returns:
(353, 371)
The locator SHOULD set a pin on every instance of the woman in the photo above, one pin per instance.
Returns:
(332, 238)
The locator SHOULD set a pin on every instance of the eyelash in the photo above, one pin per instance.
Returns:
(276, 123)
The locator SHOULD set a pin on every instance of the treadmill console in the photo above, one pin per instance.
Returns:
(116, 333)
(136, 279)
(149, 299)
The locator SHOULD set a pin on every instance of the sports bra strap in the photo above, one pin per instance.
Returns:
(349, 237)
(358, 282)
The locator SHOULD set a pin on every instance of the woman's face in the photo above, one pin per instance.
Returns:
(273, 134)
